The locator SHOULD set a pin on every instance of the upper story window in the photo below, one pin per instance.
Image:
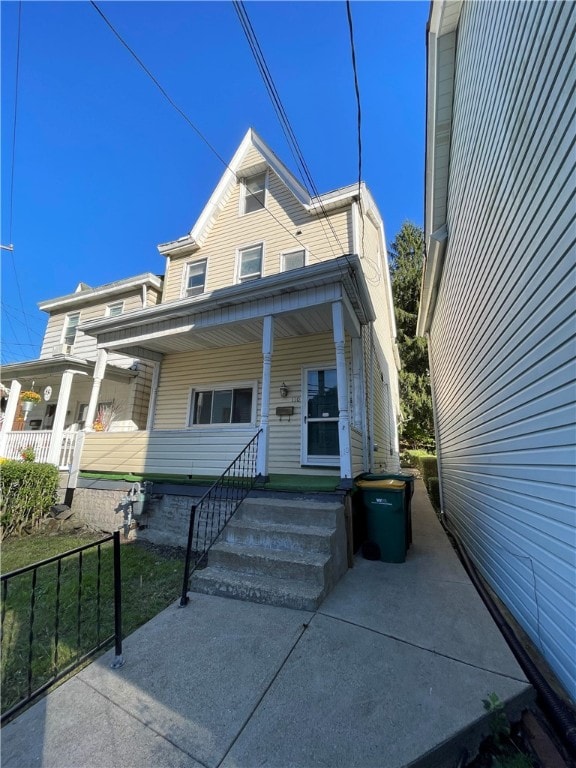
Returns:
(195, 278)
(70, 328)
(115, 309)
(293, 260)
(250, 263)
(254, 196)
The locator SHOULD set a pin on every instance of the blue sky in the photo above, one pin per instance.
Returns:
(105, 169)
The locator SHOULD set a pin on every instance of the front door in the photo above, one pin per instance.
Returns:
(320, 428)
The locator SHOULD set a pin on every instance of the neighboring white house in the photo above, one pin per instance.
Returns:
(498, 301)
(276, 315)
(64, 374)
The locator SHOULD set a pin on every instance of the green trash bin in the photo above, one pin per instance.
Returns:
(386, 517)
(409, 480)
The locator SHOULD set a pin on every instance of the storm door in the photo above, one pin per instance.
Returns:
(320, 443)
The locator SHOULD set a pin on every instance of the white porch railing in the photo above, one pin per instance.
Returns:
(39, 441)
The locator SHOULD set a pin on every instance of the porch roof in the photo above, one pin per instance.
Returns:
(42, 369)
(299, 299)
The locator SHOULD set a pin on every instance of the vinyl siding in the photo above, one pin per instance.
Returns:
(85, 346)
(275, 227)
(502, 336)
(181, 372)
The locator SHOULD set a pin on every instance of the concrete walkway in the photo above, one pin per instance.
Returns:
(391, 671)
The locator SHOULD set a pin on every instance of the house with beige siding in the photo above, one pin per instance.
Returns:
(497, 302)
(275, 318)
(64, 375)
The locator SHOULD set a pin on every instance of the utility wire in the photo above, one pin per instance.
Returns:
(358, 111)
(10, 247)
(187, 119)
(282, 115)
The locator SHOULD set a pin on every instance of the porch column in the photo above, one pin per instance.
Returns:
(9, 414)
(99, 369)
(60, 418)
(342, 379)
(267, 349)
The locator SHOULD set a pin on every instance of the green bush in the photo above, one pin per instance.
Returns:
(28, 490)
(423, 461)
(433, 486)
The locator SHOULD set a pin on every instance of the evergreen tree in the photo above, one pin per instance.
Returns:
(406, 260)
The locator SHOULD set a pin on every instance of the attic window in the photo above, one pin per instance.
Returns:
(115, 309)
(254, 197)
(196, 278)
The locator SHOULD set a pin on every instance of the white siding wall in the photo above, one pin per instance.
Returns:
(85, 346)
(502, 336)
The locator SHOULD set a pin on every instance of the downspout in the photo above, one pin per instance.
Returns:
(371, 385)
(153, 396)
(144, 296)
(436, 427)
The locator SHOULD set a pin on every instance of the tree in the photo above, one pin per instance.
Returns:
(406, 260)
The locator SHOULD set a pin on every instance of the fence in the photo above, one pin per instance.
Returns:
(210, 515)
(56, 614)
(39, 441)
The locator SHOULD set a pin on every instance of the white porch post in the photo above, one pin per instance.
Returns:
(343, 414)
(60, 418)
(99, 369)
(10, 413)
(267, 349)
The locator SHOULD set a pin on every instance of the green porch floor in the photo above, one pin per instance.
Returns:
(305, 483)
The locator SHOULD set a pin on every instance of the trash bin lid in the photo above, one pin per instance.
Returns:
(390, 485)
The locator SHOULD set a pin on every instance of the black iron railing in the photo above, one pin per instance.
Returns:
(210, 515)
(56, 614)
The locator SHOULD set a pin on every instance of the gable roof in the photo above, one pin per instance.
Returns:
(238, 170)
(84, 293)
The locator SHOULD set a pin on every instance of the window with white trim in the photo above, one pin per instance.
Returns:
(195, 278)
(115, 309)
(72, 322)
(293, 260)
(254, 194)
(223, 405)
(250, 263)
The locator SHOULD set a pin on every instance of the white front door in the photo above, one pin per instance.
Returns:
(320, 443)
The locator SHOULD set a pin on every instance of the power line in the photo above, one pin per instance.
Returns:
(187, 119)
(10, 247)
(358, 111)
(281, 113)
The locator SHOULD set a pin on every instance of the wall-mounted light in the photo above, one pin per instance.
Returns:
(283, 390)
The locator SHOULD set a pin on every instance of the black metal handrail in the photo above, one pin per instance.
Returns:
(53, 624)
(214, 510)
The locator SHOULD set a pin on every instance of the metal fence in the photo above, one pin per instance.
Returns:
(210, 515)
(56, 614)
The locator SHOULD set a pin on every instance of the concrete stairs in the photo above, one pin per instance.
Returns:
(287, 552)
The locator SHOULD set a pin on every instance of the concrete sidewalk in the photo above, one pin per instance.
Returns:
(391, 671)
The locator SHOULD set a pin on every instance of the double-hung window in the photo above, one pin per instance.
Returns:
(195, 278)
(254, 197)
(70, 328)
(222, 405)
(293, 260)
(250, 263)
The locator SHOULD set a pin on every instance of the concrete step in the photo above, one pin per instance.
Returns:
(270, 590)
(290, 511)
(302, 538)
(277, 563)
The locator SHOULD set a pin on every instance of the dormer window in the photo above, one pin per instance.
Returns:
(254, 196)
(195, 278)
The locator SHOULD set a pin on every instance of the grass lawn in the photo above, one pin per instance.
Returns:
(151, 580)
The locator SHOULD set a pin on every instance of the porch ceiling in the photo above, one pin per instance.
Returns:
(301, 323)
(300, 302)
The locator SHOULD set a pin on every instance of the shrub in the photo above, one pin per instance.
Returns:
(28, 491)
(433, 486)
(423, 461)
